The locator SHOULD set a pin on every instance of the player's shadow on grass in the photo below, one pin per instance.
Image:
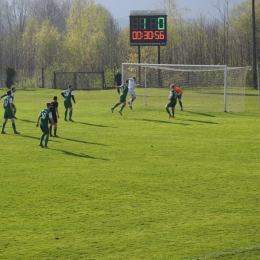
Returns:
(85, 123)
(37, 138)
(81, 155)
(26, 121)
(199, 113)
(203, 122)
(171, 121)
(81, 141)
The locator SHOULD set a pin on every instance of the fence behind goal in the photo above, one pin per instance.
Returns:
(79, 80)
(205, 87)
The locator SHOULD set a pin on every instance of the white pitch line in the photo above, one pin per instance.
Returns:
(239, 250)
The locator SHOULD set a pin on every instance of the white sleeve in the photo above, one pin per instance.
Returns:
(72, 93)
(11, 100)
(50, 115)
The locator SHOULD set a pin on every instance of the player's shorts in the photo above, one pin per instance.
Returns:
(122, 98)
(67, 104)
(172, 104)
(132, 93)
(179, 96)
(8, 114)
(55, 119)
(45, 128)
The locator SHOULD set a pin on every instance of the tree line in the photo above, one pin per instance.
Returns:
(81, 35)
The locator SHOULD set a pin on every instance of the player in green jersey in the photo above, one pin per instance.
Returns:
(122, 99)
(12, 95)
(45, 116)
(173, 100)
(9, 112)
(68, 94)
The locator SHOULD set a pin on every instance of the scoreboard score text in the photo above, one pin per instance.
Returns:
(148, 28)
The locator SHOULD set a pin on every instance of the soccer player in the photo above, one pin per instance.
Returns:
(45, 115)
(118, 81)
(68, 95)
(55, 115)
(9, 112)
(131, 87)
(122, 99)
(12, 95)
(173, 100)
(179, 94)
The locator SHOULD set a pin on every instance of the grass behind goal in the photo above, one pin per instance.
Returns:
(137, 186)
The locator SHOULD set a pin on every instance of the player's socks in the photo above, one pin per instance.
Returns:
(14, 127)
(116, 105)
(51, 130)
(3, 126)
(42, 138)
(168, 111)
(172, 112)
(180, 105)
(46, 141)
(55, 131)
(70, 114)
(122, 107)
(65, 115)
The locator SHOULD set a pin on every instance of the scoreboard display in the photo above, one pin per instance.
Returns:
(148, 28)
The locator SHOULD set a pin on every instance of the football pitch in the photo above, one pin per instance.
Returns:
(137, 186)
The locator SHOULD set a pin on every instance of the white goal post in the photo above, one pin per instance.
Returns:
(206, 87)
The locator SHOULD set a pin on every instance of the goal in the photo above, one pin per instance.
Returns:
(205, 87)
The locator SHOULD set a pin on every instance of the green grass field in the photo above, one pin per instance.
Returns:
(137, 186)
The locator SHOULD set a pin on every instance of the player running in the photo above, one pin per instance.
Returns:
(122, 98)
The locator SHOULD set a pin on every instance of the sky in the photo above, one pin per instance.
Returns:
(120, 9)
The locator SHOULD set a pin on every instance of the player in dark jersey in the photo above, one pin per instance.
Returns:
(55, 115)
(68, 94)
(173, 100)
(12, 95)
(9, 112)
(122, 99)
(45, 115)
(118, 80)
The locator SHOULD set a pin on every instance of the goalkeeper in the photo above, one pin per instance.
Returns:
(179, 94)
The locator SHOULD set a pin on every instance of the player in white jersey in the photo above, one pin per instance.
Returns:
(131, 91)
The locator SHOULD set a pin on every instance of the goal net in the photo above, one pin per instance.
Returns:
(205, 87)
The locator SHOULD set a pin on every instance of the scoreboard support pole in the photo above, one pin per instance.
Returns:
(159, 62)
(139, 61)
